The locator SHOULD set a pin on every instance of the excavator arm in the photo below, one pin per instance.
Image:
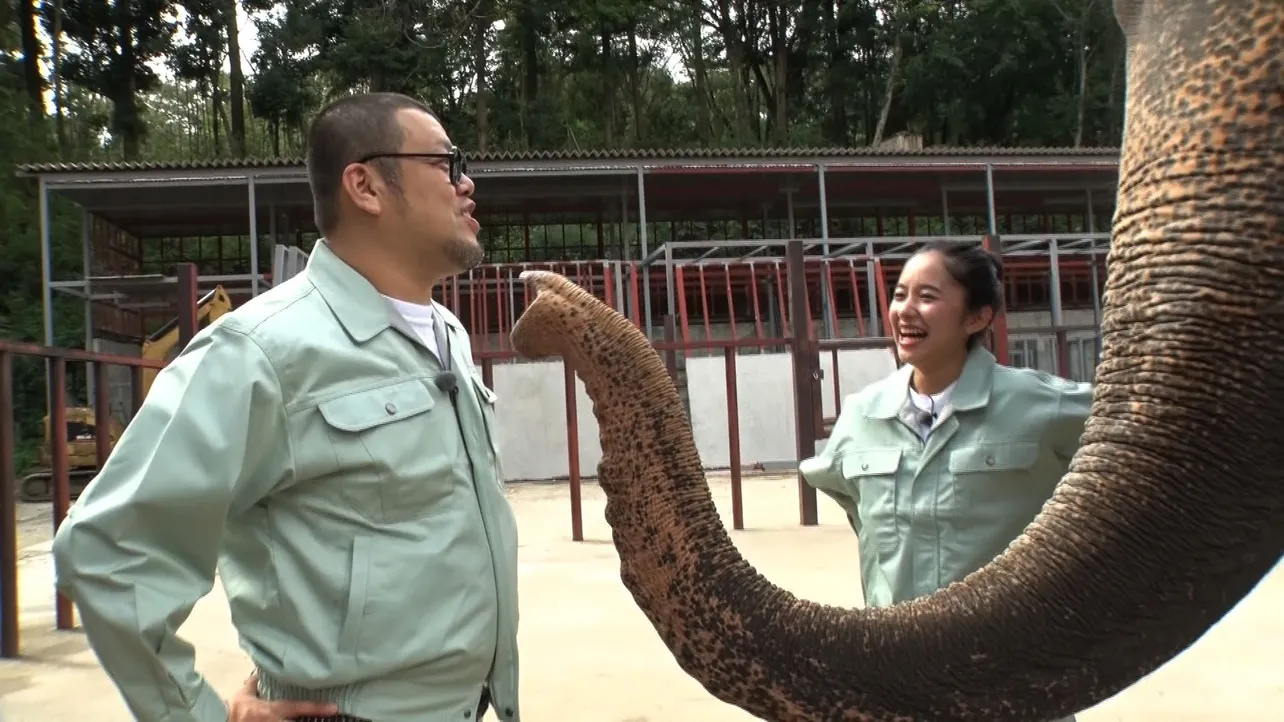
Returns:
(82, 453)
(163, 343)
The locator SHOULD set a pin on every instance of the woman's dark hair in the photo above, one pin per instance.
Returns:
(977, 270)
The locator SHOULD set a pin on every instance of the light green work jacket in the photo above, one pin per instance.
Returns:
(357, 521)
(928, 514)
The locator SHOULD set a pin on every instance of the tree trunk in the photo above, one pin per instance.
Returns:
(606, 85)
(481, 26)
(60, 110)
(704, 127)
(530, 75)
(635, 88)
(127, 121)
(32, 79)
(893, 78)
(236, 78)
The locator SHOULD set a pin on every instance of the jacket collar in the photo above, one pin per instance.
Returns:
(353, 300)
(972, 391)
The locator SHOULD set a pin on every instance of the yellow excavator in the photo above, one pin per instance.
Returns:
(82, 448)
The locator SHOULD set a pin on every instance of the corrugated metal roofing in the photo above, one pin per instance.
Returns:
(628, 154)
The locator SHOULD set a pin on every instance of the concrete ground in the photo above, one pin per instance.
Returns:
(588, 654)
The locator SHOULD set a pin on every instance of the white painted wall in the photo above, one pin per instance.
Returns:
(765, 397)
(532, 412)
(120, 392)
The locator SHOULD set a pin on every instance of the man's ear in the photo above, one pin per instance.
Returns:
(364, 187)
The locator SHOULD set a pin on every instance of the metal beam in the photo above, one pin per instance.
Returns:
(989, 200)
(804, 382)
(87, 262)
(863, 257)
(1033, 163)
(850, 244)
(46, 299)
(910, 163)
(1046, 186)
(889, 247)
(826, 322)
(642, 237)
(272, 176)
(147, 281)
(943, 158)
(254, 237)
(122, 181)
(669, 280)
(46, 261)
(871, 290)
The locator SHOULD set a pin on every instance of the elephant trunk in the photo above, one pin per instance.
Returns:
(1173, 508)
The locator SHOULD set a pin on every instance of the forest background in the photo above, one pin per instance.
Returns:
(110, 80)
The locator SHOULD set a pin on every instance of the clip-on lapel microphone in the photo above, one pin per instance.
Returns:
(928, 417)
(446, 382)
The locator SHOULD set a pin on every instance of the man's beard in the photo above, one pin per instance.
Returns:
(464, 254)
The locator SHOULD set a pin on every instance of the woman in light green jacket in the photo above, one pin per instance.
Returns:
(943, 463)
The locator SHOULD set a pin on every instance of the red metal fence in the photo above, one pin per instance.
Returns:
(57, 360)
(749, 297)
(670, 348)
(795, 312)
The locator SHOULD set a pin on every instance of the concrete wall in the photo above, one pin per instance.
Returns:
(765, 397)
(119, 392)
(532, 408)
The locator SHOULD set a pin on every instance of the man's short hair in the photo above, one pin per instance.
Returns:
(343, 132)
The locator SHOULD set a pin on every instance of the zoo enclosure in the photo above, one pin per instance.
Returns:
(690, 245)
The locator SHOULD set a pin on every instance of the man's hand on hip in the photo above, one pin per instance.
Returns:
(245, 706)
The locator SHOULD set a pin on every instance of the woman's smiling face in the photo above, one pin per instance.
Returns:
(929, 313)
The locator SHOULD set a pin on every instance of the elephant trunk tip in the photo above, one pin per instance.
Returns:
(540, 332)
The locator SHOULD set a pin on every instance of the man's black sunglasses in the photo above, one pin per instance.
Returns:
(458, 163)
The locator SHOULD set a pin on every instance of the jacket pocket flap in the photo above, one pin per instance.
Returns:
(994, 457)
(871, 462)
(366, 409)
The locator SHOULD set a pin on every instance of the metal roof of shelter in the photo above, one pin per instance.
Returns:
(191, 198)
(248, 196)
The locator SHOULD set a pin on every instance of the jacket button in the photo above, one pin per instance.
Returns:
(989, 461)
(468, 714)
(864, 467)
(508, 712)
(390, 407)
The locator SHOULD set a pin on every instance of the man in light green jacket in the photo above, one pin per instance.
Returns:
(330, 448)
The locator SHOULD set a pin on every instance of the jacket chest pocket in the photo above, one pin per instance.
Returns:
(872, 474)
(396, 451)
(995, 482)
